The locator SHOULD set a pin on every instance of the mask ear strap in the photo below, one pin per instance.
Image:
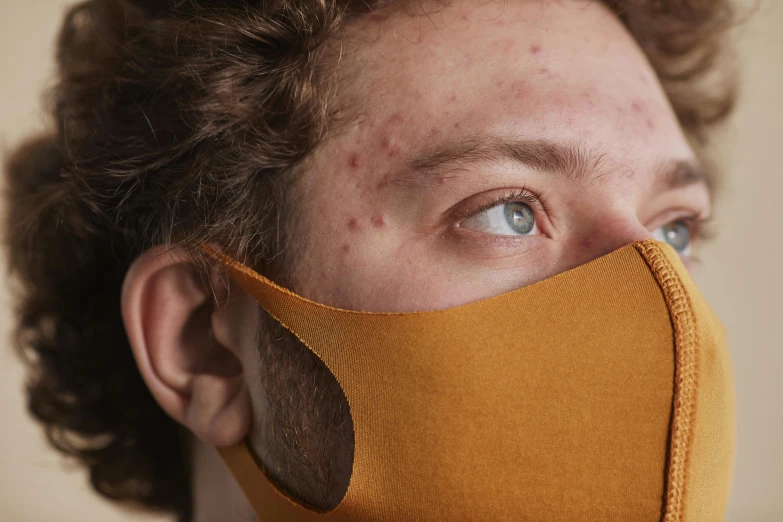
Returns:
(272, 297)
(306, 319)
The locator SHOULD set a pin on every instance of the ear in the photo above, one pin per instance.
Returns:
(183, 344)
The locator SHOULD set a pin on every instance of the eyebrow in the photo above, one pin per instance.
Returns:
(568, 160)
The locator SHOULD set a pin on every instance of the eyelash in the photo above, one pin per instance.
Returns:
(700, 228)
(523, 195)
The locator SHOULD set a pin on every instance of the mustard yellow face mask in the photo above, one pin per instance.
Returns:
(601, 394)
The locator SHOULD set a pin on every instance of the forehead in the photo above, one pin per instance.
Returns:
(559, 70)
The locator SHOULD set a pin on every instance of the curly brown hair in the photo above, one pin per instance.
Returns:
(184, 121)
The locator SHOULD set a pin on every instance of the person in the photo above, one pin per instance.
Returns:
(369, 155)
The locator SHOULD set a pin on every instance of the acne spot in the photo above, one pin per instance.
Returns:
(346, 247)
(433, 132)
(396, 118)
(378, 221)
(518, 89)
(588, 97)
(456, 125)
(637, 106)
(381, 185)
(650, 124)
(452, 98)
(353, 225)
(543, 70)
(391, 149)
(355, 161)
(586, 244)
(535, 49)
(504, 44)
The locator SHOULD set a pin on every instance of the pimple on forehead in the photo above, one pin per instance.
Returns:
(637, 106)
(504, 44)
(346, 247)
(388, 133)
(387, 143)
(535, 49)
(355, 161)
(378, 221)
(353, 225)
(518, 89)
(588, 97)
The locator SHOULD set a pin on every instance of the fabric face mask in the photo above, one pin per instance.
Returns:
(601, 394)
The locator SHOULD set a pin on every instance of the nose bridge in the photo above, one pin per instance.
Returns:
(607, 233)
(615, 235)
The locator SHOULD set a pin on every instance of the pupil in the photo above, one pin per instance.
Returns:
(677, 235)
(520, 217)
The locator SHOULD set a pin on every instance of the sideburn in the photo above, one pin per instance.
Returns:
(305, 430)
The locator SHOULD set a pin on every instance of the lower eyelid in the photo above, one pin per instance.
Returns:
(468, 239)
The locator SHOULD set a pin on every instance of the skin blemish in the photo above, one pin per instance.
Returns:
(588, 97)
(378, 221)
(452, 98)
(650, 124)
(346, 247)
(381, 185)
(586, 244)
(518, 89)
(396, 118)
(456, 125)
(637, 106)
(389, 147)
(504, 44)
(535, 49)
(355, 161)
(353, 225)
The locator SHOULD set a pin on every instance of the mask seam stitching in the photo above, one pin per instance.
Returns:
(685, 378)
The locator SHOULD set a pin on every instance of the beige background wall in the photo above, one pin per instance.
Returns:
(742, 276)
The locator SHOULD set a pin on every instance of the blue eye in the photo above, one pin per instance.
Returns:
(677, 234)
(513, 218)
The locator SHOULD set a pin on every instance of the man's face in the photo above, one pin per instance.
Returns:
(495, 145)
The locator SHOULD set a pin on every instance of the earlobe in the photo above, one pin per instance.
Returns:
(171, 319)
